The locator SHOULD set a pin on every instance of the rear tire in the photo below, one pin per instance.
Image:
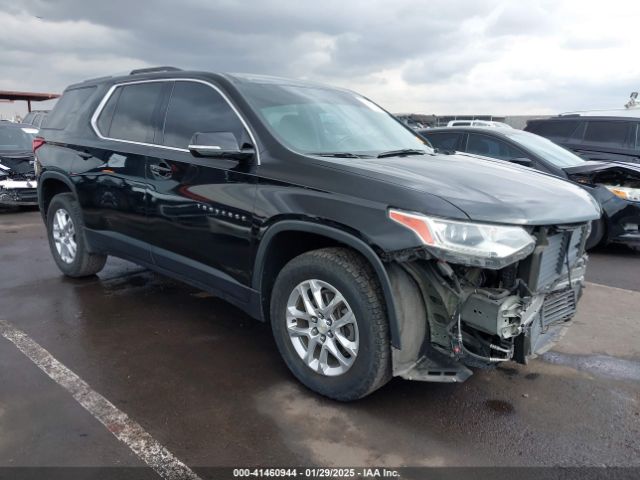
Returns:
(350, 324)
(65, 231)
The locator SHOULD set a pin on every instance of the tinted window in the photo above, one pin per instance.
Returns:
(67, 108)
(544, 148)
(558, 129)
(637, 136)
(492, 147)
(195, 107)
(36, 120)
(14, 138)
(444, 141)
(134, 108)
(612, 133)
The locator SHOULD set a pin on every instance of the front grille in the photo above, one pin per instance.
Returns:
(558, 306)
(27, 195)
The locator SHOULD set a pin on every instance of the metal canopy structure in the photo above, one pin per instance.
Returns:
(8, 96)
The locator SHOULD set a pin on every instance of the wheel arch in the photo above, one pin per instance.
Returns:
(49, 185)
(315, 235)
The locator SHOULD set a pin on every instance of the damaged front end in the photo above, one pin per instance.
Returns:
(18, 184)
(617, 187)
(454, 316)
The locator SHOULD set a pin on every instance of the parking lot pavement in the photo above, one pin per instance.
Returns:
(207, 382)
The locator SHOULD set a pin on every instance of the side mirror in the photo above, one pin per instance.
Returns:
(218, 145)
(525, 162)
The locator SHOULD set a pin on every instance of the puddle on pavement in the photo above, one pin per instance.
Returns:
(601, 365)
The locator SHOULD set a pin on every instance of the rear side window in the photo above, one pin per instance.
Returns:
(555, 129)
(492, 147)
(196, 107)
(67, 108)
(129, 112)
(607, 132)
(444, 141)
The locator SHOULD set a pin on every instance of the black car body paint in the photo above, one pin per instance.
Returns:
(229, 225)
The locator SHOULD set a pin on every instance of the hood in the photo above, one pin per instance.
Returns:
(593, 166)
(16, 162)
(487, 190)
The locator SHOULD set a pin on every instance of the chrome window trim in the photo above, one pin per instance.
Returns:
(205, 147)
(107, 96)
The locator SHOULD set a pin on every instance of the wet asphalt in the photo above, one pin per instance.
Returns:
(207, 382)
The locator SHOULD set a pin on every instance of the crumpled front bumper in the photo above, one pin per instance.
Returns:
(18, 192)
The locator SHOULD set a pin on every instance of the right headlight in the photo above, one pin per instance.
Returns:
(468, 243)
(632, 194)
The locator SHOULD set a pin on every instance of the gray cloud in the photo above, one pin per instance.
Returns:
(437, 56)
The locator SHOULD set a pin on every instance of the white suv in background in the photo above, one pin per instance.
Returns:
(477, 123)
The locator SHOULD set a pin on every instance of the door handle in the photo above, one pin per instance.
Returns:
(161, 170)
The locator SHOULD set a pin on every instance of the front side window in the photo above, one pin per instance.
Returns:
(325, 121)
(128, 114)
(607, 132)
(196, 107)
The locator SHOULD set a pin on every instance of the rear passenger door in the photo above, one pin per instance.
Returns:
(200, 209)
(112, 189)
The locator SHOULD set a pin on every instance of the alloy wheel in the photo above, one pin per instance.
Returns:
(64, 236)
(322, 327)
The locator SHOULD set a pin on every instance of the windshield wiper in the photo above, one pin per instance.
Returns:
(338, 155)
(402, 153)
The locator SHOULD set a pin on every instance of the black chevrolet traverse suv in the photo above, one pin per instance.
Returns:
(312, 208)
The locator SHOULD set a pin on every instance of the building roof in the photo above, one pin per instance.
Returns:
(27, 96)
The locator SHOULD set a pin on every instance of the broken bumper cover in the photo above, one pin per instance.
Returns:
(18, 193)
(476, 317)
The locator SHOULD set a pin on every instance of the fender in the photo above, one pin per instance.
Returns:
(342, 237)
(52, 175)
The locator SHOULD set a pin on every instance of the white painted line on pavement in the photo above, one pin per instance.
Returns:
(118, 423)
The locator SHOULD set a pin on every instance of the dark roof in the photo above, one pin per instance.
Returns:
(27, 96)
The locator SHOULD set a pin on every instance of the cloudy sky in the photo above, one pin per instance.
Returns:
(437, 56)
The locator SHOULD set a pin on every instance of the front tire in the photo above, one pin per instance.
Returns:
(330, 324)
(597, 237)
(67, 242)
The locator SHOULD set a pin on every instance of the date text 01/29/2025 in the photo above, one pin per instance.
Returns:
(315, 473)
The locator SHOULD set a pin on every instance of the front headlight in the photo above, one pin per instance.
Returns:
(467, 243)
(632, 194)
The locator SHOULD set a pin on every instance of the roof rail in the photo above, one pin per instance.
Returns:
(139, 71)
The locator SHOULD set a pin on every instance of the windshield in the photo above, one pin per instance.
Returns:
(325, 121)
(15, 139)
(554, 154)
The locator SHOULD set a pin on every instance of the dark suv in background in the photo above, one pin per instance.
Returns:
(311, 207)
(593, 137)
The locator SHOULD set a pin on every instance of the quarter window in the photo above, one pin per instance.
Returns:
(129, 112)
(68, 107)
(444, 141)
(195, 107)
